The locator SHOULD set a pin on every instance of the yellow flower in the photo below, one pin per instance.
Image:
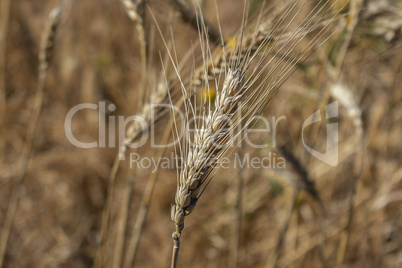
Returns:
(208, 93)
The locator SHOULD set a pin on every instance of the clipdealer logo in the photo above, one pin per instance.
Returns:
(118, 138)
(330, 156)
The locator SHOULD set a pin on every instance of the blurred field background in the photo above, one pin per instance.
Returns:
(96, 58)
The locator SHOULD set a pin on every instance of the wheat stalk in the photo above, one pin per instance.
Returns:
(134, 132)
(145, 202)
(235, 234)
(45, 52)
(136, 13)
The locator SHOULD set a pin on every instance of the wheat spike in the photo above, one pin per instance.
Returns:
(47, 41)
(46, 49)
(208, 143)
(159, 96)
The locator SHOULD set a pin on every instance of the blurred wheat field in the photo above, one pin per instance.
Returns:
(306, 214)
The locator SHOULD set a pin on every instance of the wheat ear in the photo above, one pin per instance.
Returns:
(209, 141)
(46, 49)
(136, 13)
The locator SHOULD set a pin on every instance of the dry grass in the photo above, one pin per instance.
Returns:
(273, 213)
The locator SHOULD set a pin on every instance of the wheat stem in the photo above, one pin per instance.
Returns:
(175, 251)
(145, 202)
(106, 211)
(46, 48)
(273, 258)
(355, 8)
(136, 15)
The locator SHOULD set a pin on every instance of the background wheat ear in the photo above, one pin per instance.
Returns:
(45, 53)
